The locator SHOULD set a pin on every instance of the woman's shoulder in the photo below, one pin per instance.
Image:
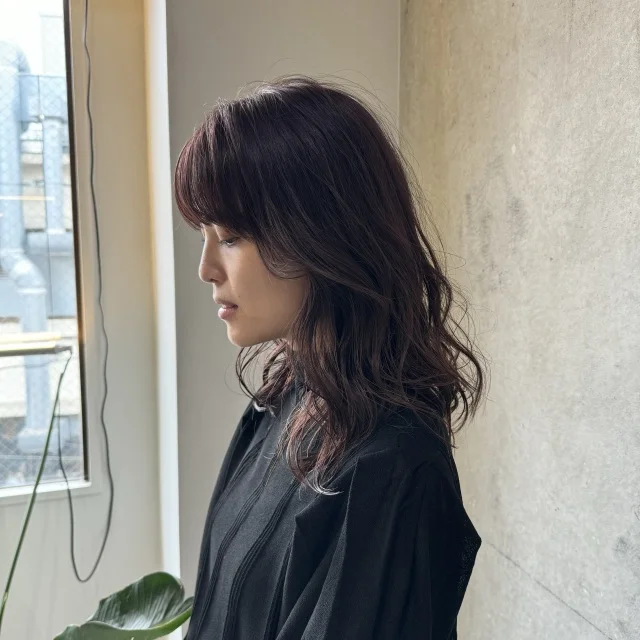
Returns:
(403, 469)
(408, 442)
(403, 452)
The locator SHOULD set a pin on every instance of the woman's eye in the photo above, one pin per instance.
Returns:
(229, 242)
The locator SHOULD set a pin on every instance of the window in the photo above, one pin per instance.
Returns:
(39, 292)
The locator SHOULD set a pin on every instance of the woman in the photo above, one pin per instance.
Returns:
(337, 513)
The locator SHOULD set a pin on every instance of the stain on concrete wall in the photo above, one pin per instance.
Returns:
(522, 120)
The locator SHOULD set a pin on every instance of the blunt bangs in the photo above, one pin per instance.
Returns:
(208, 183)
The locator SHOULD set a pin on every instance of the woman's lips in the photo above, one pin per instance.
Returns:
(226, 312)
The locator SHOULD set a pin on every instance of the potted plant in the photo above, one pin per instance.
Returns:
(149, 608)
(152, 607)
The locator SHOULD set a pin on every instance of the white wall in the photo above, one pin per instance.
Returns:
(46, 597)
(214, 48)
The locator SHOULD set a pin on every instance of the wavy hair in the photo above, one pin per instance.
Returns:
(304, 169)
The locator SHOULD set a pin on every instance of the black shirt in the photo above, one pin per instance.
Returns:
(388, 558)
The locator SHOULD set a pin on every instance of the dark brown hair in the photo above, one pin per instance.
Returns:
(306, 171)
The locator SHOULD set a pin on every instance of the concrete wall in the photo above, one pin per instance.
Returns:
(45, 596)
(214, 48)
(524, 119)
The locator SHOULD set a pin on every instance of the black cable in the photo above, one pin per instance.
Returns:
(106, 340)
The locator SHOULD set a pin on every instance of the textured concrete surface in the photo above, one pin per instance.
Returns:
(524, 121)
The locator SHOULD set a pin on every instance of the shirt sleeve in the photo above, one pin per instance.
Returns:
(397, 556)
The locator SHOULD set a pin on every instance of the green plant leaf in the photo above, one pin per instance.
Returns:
(152, 607)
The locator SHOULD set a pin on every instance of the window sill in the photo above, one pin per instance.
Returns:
(49, 491)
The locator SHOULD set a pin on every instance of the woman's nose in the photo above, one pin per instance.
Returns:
(207, 272)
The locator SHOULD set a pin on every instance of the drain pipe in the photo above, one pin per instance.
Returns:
(28, 280)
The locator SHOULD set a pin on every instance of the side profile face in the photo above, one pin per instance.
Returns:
(266, 305)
